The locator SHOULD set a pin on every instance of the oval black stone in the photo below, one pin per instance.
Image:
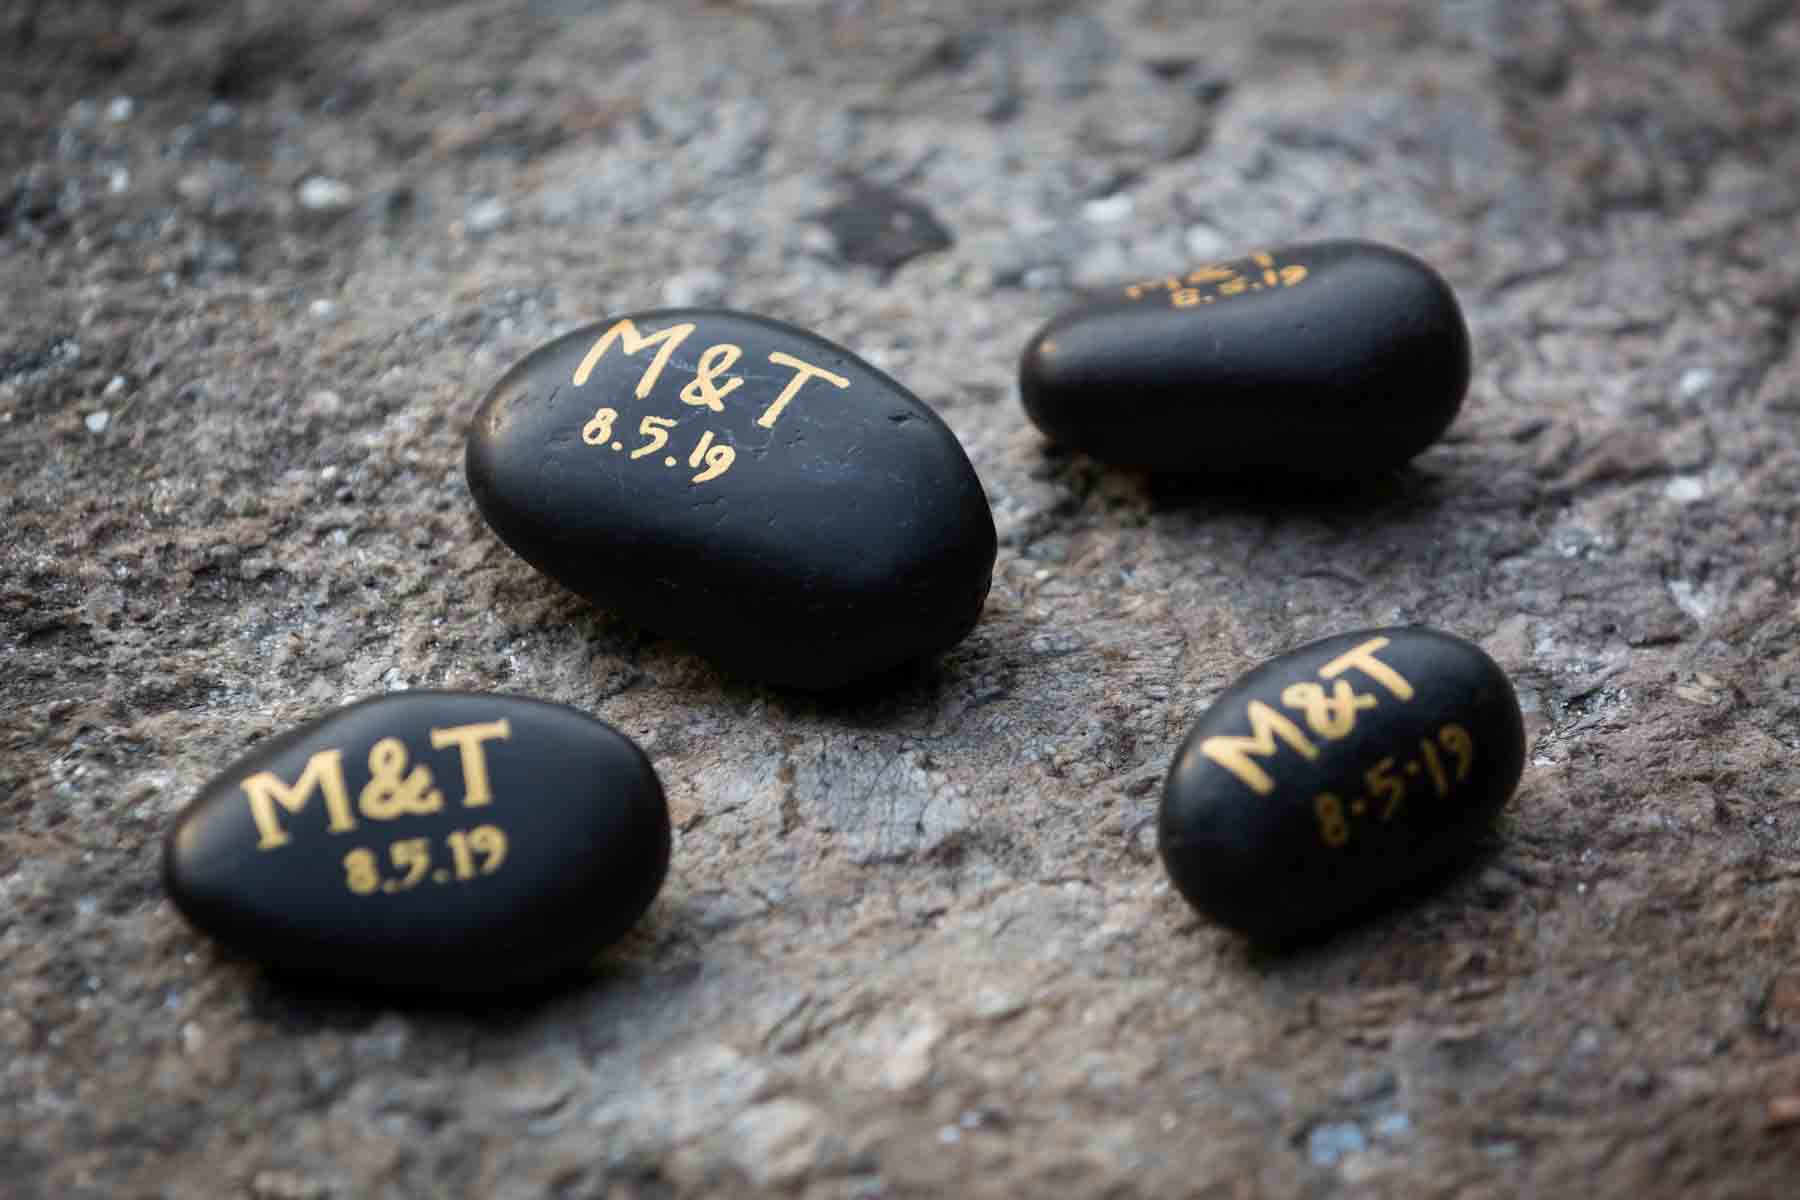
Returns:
(1339, 778)
(443, 844)
(1330, 360)
(741, 486)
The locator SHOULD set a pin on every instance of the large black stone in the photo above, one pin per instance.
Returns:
(1338, 778)
(441, 844)
(741, 486)
(1334, 360)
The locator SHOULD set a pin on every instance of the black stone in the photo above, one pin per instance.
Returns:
(315, 854)
(879, 227)
(1333, 361)
(1339, 778)
(810, 544)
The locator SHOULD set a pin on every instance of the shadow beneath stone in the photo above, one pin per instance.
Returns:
(1407, 903)
(1406, 491)
(1402, 493)
(873, 702)
(305, 1004)
(295, 1004)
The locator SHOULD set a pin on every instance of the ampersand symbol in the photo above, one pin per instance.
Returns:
(715, 362)
(1330, 716)
(393, 791)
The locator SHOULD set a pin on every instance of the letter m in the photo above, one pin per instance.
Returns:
(1234, 752)
(628, 337)
(324, 772)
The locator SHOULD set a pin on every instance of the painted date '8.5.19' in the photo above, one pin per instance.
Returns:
(412, 856)
(1386, 784)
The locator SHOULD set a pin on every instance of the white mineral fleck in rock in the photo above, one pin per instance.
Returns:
(997, 1004)
(487, 216)
(1328, 1143)
(1393, 1125)
(910, 1063)
(1685, 489)
(1695, 380)
(702, 285)
(1108, 210)
(778, 1142)
(1204, 242)
(814, 239)
(319, 194)
(1696, 602)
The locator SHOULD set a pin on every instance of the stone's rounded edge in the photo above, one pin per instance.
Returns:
(939, 583)
(651, 830)
(429, 974)
(188, 899)
(1037, 360)
(1215, 846)
(1452, 338)
(482, 465)
(1062, 369)
(659, 833)
(1047, 369)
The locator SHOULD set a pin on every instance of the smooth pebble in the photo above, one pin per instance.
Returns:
(1324, 361)
(1337, 778)
(446, 844)
(741, 486)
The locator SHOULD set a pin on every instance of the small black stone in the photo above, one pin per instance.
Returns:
(440, 844)
(1339, 778)
(741, 486)
(877, 226)
(1332, 360)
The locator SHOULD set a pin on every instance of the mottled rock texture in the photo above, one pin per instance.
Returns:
(260, 260)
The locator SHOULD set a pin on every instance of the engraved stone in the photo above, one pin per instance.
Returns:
(1332, 360)
(741, 486)
(1337, 779)
(444, 844)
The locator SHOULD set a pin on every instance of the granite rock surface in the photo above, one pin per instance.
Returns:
(261, 260)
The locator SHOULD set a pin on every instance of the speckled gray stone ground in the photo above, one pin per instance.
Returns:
(261, 260)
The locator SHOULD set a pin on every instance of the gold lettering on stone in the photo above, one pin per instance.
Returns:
(1233, 752)
(803, 371)
(628, 337)
(715, 362)
(1328, 715)
(1220, 281)
(266, 792)
(1210, 275)
(392, 791)
(1363, 659)
(477, 791)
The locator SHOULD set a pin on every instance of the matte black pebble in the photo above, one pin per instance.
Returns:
(1337, 779)
(1330, 360)
(444, 844)
(740, 486)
